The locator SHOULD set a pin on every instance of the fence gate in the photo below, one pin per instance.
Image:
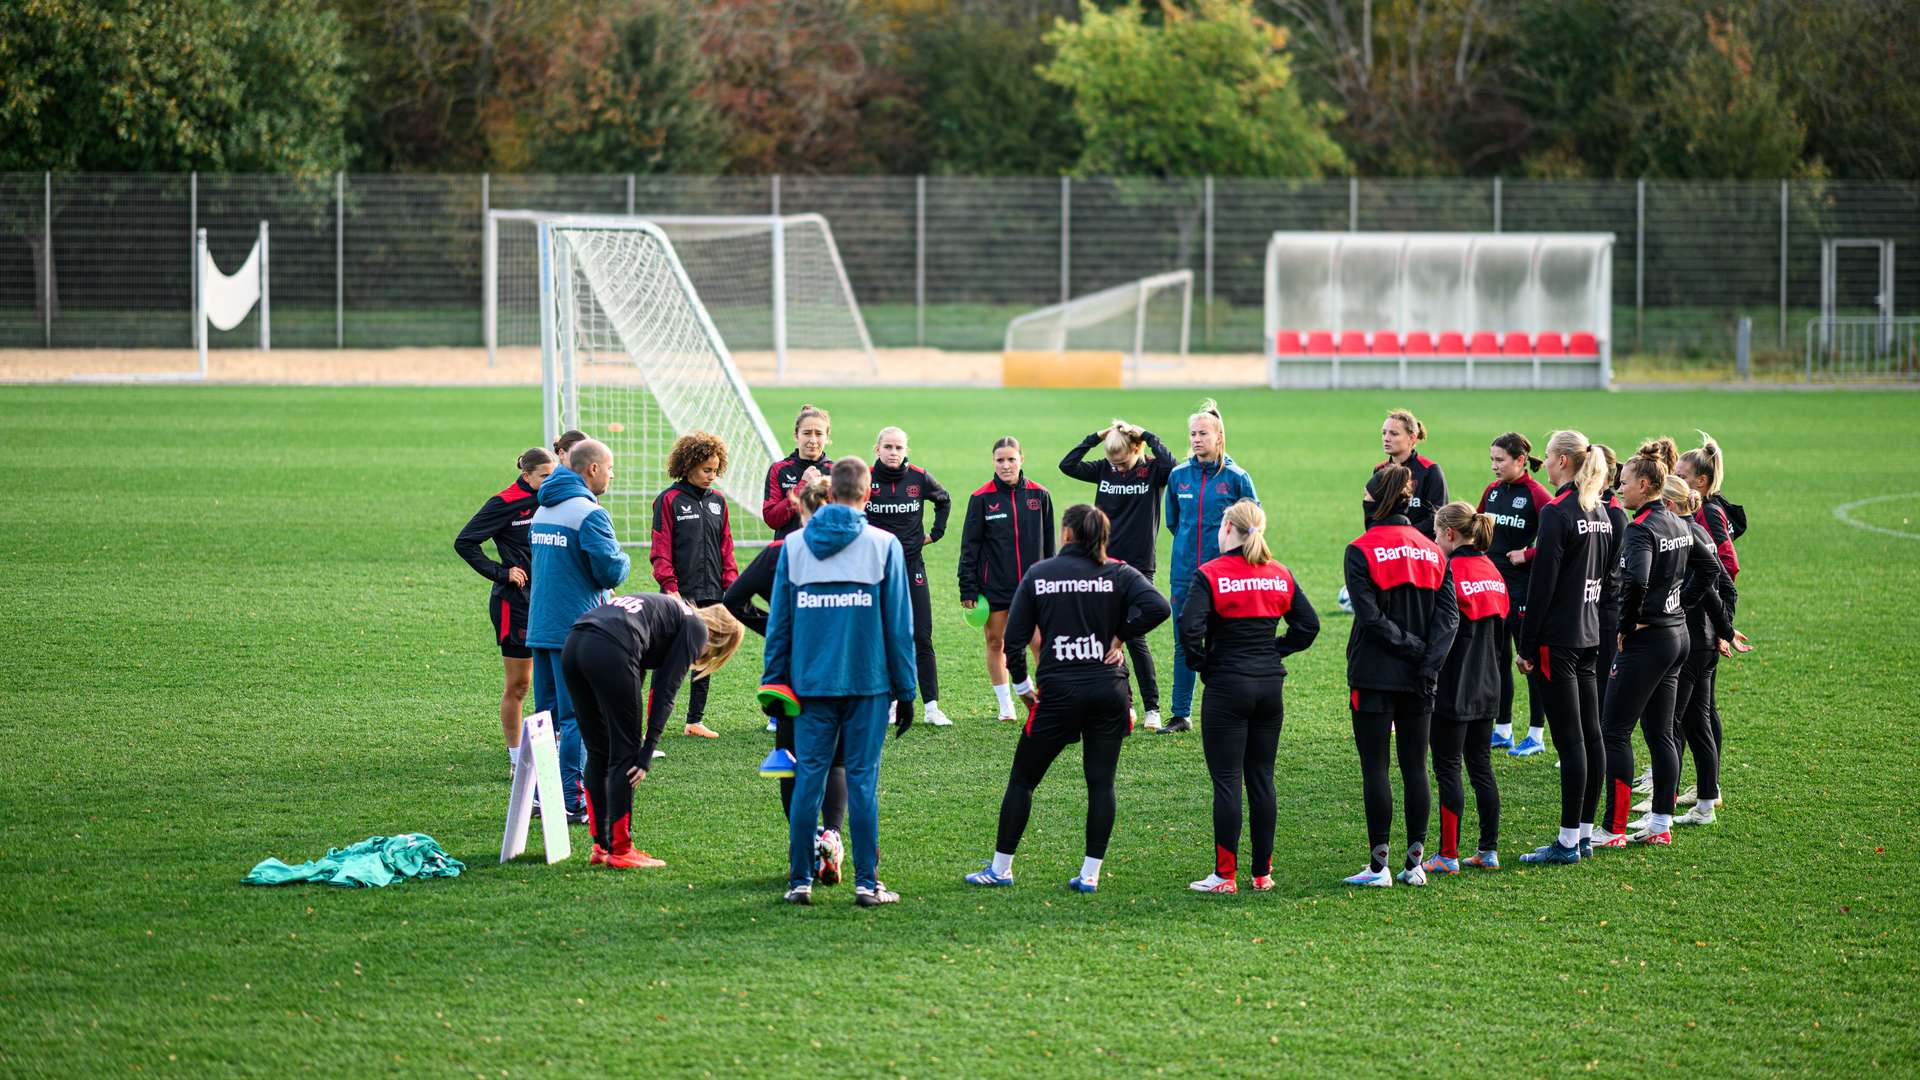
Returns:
(1856, 279)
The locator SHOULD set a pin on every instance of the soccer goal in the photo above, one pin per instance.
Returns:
(630, 355)
(1140, 319)
(774, 286)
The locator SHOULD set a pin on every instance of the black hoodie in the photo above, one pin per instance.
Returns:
(1404, 609)
(1008, 529)
(1129, 497)
(897, 503)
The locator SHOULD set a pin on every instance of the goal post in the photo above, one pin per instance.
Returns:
(631, 356)
(774, 286)
(1152, 316)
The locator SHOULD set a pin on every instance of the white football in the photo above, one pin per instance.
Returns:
(1346, 602)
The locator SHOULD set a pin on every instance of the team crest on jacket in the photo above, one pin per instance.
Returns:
(1519, 502)
(913, 491)
(714, 509)
(1033, 504)
(1141, 471)
(1220, 488)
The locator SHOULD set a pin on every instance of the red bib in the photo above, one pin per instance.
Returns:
(1481, 589)
(1241, 591)
(1398, 555)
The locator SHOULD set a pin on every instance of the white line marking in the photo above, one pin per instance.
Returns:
(1845, 513)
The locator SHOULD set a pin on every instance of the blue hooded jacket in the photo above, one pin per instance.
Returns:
(840, 623)
(576, 560)
(1198, 495)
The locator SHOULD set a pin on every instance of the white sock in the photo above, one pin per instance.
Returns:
(931, 704)
(1537, 734)
(1002, 864)
(1024, 686)
(1004, 694)
(1090, 870)
(513, 756)
(1586, 830)
(1505, 731)
(1569, 837)
(1660, 823)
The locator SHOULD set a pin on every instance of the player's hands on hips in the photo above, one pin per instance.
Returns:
(1523, 664)
(1031, 698)
(1517, 556)
(516, 577)
(1116, 652)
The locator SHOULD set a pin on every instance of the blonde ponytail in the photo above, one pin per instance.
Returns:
(1589, 469)
(1674, 491)
(1251, 521)
(1707, 461)
(1461, 518)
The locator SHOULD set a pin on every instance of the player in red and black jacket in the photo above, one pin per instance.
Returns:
(1082, 605)
(1610, 583)
(1009, 527)
(897, 503)
(1560, 636)
(692, 549)
(503, 519)
(1710, 636)
(1514, 500)
(1469, 694)
(1400, 433)
(1228, 624)
(1704, 468)
(809, 461)
(1129, 487)
(1404, 617)
(608, 653)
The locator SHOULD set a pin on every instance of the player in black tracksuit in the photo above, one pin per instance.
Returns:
(1610, 596)
(1129, 487)
(1469, 693)
(1227, 627)
(608, 653)
(1083, 607)
(1709, 637)
(1405, 615)
(897, 504)
(812, 429)
(692, 549)
(1514, 500)
(1008, 528)
(1560, 637)
(1399, 435)
(503, 519)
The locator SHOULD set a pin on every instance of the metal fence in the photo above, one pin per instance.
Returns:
(372, 261)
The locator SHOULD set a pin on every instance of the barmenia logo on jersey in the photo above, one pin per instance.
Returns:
(1406, 551)
(1107, 487)
(1049, 586)
(1472, 588)
(1080, 648)
(1511, 521)
(1256, 584)
(912, 507)
(833, 600)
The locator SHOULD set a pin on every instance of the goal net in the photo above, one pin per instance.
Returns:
(630, 356)
(1142, 319)
(774, 286)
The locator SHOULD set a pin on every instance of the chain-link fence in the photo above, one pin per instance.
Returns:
(390, 260)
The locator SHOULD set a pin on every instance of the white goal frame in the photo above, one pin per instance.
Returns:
(776, 226)
(560, 378)
(1087, 310)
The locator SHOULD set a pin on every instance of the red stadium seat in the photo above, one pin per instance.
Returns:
(1550, 344)
(1583, 345)
(1419, 343)
(1515, 343)
(1386, 343)
(1353, 343)
(1483, 344)
(1320, 343)
(1451, 344)
(1287, 343)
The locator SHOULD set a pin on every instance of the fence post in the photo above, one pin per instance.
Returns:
(1783, 264)
(1639, 265)
(46, 257)
(1353, 204)
(776, 195)
(920, 260)
(193, 243)
(1066, 235)
(629, 194)
(340, 260)
(1207, 207)
(1743, 349)
(489, 296)
(1496, 204)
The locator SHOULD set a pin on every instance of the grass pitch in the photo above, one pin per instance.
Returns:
(234, 627)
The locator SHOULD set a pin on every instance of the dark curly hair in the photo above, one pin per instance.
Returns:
(693, 448)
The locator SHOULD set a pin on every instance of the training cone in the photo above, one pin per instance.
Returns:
(779, 696)
(978, 614)
(778, 766)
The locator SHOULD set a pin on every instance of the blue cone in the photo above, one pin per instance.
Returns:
(778, 766)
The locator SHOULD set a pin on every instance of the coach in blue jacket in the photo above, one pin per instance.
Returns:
(840, 591)
(1198, 493)
(576, 563)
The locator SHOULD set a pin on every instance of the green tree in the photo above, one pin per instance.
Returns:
(983, 108)
(171, 85)
(1207, 92)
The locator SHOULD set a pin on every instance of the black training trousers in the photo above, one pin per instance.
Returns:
(1572, 696)
(605, 685)
(1407, 719)
(1693, 717)
(1240, 720)
(1093, 714)
(1471, 739)
(924, 659)
(1536, 704)
(1644, 678)
(1609, 644)
(1140, 655)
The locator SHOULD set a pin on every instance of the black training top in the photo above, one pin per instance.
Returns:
(1008, 529)
(775, 509)
(897, 503)
(1515, 509)
(1470, 679)
(1572, 555)
(1429, 494)
(503, 519)
(1130, 497)
(661, 636)
(692, 550)
(1233, 610)
(1404, 609)
(1081, 607)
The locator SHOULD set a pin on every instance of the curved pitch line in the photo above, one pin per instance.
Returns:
(1845, 513)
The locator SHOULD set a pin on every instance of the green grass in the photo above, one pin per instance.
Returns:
(235, 628)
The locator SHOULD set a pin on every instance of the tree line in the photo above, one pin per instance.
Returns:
(1735, 89)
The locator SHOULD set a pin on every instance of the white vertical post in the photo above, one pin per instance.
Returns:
(488, 295)
(776, 196)
(340, 261)
(193, 241)
(1496, 204)
(1353, 204)
(1066, 236)
(564, 337)
(779, 289)
(1639, 264)
(1207, 213)
(629, 194)
(1783, 264)
(200, 298)
(549, 381)
(1139, 324)
(46, 257)
(1533, 306)
(266, 279)
(920, 260)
